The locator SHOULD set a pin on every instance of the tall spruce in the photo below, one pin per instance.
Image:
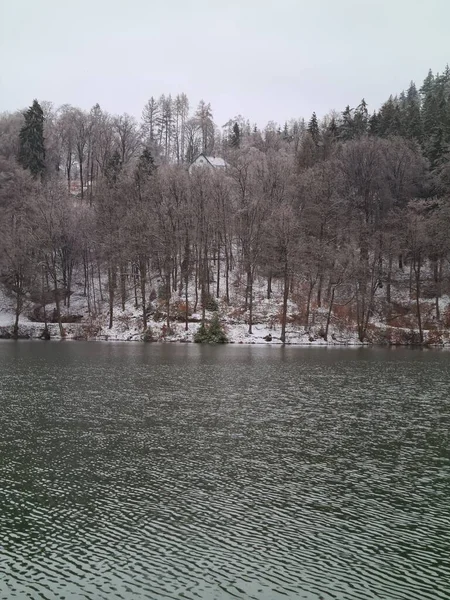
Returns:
(346, 130)
(390, 121)
(145, 168)
(313, 128)
(374, 123)
(235, 138)
(435, 114)
(361, 119)
(31, 141)
(413, 120)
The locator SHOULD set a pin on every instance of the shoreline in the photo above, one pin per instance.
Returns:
(32, 331)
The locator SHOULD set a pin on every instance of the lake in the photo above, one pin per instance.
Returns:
(183, 471)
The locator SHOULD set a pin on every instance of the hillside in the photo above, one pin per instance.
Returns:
(396, 327)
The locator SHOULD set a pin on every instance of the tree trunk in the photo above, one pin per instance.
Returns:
(204, 274)
(58, 308)
(389, 280)
(69, 281)
(227, 279)
(269, 286)
(417, 269)
(196, 284)
(111, 289)
(437, 282)
(410, 279)
(99, 282)
(308, 305)
(218, 273)
(91, 182)
(168, 294)
(69, 171)
(93, 289)
(319, 291)
(285, 301)
(81, 179)
(123, 293)
(330, 308)
(250, 301)
(142, 279)
(18, 305)
(186, 301)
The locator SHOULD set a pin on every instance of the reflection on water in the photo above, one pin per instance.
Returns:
(170, 471)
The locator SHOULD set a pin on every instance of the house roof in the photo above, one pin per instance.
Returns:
(216, 161)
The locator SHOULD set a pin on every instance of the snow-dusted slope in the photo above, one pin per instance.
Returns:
(127, 324)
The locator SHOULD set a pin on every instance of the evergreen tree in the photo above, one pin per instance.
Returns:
(361, 120)
(313, 128)
(374, 124)
(144, 169)
(286, 135)
(235, 138)
(433, 134)
(212, 334)
(390, 121)
(346, 127)
(31, 139)
(113, 168)
(428, 84)
(413, 119)
(332, 128)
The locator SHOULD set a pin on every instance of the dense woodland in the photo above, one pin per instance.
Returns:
(331, 209)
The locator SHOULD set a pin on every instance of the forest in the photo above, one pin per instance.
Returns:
(340, 221)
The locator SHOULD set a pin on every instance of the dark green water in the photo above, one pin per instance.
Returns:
(177, 471)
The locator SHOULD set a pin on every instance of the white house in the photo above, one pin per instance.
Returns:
(212, 162)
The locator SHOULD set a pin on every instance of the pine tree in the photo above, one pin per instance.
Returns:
(413, 119)
(374, 123)
(113, 168)
(31, 138)
(361, 120)
(212, 334)
(332, 128)
(235, 138)
(313, 128)
(346, 128)
(433, 139)
(390, 121)
(215, 332)
(428, 84)
(144, 169)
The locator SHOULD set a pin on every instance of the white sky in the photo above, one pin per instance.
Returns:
(264, 59)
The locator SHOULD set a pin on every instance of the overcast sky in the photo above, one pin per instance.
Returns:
(264, 59)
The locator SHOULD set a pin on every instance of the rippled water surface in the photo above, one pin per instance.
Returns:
(170, 471)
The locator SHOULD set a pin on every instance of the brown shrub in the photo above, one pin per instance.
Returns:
(344, 312)
(446, 317)
(89, 329)
(178, 310)
(124, 320)
(406, 321)
(435, 337)
(237, 313)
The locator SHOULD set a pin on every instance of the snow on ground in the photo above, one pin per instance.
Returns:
(6, 309)
(127, 324)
